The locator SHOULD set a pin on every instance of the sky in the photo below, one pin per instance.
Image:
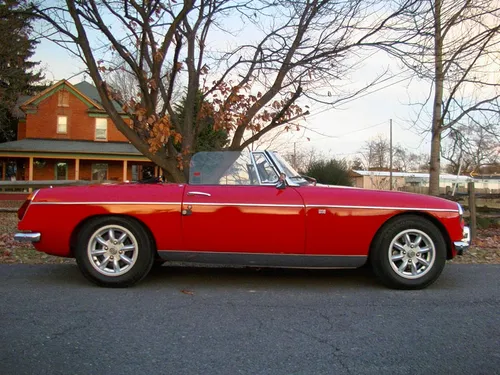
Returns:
(336, 132)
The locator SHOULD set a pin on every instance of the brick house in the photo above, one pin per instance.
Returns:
(65, 134)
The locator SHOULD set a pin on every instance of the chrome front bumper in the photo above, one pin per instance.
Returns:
(27, 237)
(464, 243)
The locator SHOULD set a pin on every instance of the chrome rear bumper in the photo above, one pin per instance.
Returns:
(464, 243)
(27, 237)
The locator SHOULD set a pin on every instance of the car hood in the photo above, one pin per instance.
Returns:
(358, 197)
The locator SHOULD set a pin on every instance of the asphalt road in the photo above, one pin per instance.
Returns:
(246, 321)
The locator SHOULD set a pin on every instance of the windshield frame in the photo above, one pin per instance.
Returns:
(293, 178)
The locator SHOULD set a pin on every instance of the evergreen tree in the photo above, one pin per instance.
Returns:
(17, 73)
(207, 138)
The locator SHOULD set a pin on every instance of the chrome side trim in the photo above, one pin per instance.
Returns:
(255, 205)
(267, 260)
(242, 204)
(27, 237)
(112, 203)
(383, 208)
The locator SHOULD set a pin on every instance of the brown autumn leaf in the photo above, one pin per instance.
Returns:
(188, 292)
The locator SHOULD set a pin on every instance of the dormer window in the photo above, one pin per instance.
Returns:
(62, 124)
(63, 98)
(101, 129)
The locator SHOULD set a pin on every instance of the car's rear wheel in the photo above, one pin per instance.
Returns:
(409, 252)
(114, 251)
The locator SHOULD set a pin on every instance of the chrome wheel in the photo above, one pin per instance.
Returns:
(112, 250)
(412, 254)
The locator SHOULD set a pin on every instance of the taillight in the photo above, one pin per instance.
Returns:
(22, 210)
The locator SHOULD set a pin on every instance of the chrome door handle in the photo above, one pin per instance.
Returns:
(199, 193)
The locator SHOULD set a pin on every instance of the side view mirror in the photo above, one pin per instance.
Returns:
(281, 182)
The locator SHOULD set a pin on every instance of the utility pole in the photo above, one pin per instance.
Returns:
(390, 154)
(295, 155)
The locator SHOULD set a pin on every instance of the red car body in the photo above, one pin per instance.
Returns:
(254, 219)
(309, 226)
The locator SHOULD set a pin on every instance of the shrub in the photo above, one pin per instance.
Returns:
(331, 172)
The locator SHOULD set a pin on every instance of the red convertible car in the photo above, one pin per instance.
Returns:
(246, 209)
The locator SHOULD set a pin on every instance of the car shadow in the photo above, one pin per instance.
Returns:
(215, 276)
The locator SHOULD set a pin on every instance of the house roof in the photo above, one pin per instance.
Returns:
(17, 112)
(84, 90)
(66, 146)
(90, 91)
(34, 100)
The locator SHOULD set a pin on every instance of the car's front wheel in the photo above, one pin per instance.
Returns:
(409, 252)
(114, 251)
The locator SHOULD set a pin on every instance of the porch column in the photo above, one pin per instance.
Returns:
(124, 171)
(30, 172)
(156, 171)
(4, 165)
(77, 169)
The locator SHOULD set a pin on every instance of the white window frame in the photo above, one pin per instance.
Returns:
(99, 122)
(66, 167)
(63, 94)
(59, 124)
(97, 165)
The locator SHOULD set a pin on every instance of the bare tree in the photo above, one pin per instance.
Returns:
(470, 147)
(301, 48)
(406, 161)
(376, 153)
(301, 158)
(457, 51)
(357, 164)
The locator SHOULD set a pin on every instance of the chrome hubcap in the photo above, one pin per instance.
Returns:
(112, 250)
(412, 254)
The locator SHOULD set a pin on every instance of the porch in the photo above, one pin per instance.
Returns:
(36, 160)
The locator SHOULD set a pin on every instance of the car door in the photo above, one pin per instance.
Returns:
(243, 214)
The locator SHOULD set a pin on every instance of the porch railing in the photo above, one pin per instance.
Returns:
(24, 186)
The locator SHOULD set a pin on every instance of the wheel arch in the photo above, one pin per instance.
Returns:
(421, 214)
(81, 225)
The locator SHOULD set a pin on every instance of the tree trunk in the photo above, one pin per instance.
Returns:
(437, 119)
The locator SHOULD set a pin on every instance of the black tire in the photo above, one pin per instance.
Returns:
(158, 262)
(121, 264)
(415, 274)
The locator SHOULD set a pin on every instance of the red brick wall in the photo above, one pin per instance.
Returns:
(48, 170)
(21, 129)
(43, 123)
(115, 169)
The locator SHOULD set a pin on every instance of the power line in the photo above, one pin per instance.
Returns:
(340, 135)
(328, 107)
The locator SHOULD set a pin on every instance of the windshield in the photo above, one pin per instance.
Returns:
(288, 170)
(232, 168)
